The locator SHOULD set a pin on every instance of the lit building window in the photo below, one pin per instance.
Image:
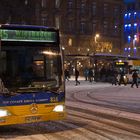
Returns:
(135, 36)
(70, 42)
(129, 39)
(125, 49)
(135, 24)
(125, 26)
(129, 25)
(129, 15)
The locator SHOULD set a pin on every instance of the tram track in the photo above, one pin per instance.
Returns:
(123, 123)
(73, 128)
(99, 102)
(106, 123)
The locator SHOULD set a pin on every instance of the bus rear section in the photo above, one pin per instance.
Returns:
(31, 79)
(134, 65)
(128, 67)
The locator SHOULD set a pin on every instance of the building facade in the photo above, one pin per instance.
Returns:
(86, 26)
(132, 28)
(80, 21)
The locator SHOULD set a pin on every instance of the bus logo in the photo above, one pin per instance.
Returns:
(34, 108)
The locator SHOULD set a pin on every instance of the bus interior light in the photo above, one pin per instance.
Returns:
(49, 53)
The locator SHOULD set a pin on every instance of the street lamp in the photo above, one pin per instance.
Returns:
(96, 36)
(96, 42)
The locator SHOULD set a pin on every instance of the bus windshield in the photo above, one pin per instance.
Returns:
(30, 69)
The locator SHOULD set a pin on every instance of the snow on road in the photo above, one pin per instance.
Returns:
(95, 111)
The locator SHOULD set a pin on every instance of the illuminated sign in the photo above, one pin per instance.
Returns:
(27, 36)
(120, 63)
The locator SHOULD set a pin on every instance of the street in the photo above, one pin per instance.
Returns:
(95, 111)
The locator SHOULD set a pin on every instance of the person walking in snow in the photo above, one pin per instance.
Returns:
(76, 77)
(135, 79)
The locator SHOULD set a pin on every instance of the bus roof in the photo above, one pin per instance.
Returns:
(116, 56)
(26, 27)
(106, 56)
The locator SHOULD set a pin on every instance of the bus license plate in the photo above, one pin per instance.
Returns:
(32, 119)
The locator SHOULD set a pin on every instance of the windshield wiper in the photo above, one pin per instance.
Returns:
(35, 90)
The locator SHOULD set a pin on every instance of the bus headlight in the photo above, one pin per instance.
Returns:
(4, 113)
(59, 108)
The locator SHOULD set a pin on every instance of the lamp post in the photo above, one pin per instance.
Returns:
(95, 60)
(96, 42)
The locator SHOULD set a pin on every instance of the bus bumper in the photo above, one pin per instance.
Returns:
(32, 118)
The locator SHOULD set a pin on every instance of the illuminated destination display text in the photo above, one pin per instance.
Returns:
(29, 36)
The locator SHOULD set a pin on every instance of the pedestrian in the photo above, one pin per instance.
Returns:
(135, 79)
(76, 77)
(123, 79)
(102, 74)
(90, 75)
(67, 75)
(86, 73)
(114, 77)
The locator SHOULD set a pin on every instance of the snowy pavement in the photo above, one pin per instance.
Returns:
(95, 111)
(129, 98)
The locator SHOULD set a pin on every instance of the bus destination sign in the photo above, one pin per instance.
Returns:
(27, 36)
